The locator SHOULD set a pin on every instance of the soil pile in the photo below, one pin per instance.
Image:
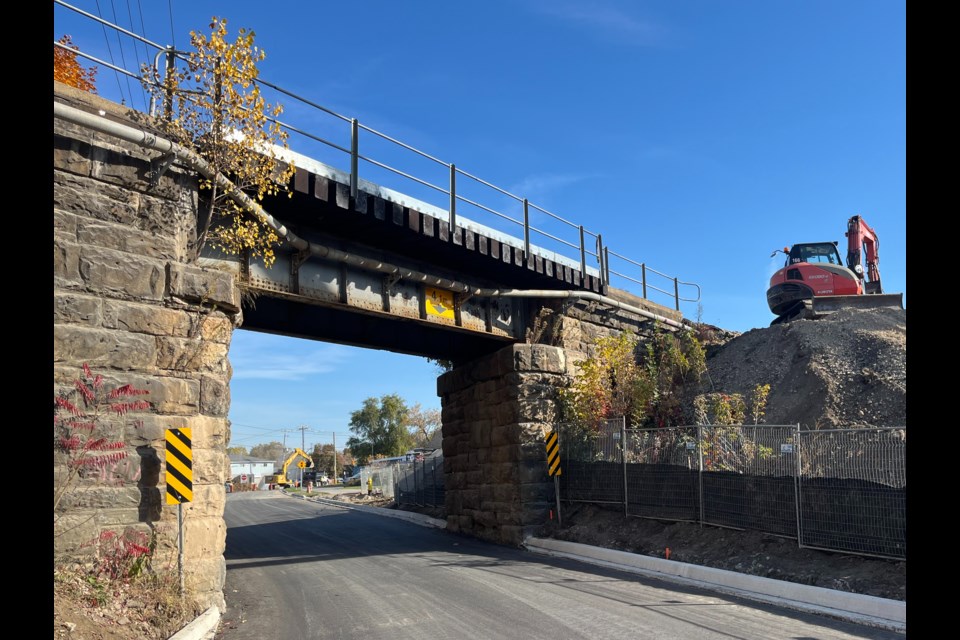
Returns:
(848, 369)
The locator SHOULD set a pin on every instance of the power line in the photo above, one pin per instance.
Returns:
(136, 54)
(173, 37)
(123, 57)
(106, 39)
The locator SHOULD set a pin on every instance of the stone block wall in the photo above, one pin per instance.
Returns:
(129, 302)
(495, 412)
(577, 325)
(497, 409)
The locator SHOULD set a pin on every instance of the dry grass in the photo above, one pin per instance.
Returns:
(89, 606)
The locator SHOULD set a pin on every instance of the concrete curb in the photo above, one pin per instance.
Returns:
(204, 627)
(409, 516)
(855, 607)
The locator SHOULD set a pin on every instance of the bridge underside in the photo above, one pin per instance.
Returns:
(310, 296)
(345, 325)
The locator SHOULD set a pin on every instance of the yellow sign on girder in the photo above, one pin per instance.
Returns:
(439, 303)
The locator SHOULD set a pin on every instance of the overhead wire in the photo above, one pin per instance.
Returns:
(106, 38)
(123, 57)
(136, 53)
(173, 37)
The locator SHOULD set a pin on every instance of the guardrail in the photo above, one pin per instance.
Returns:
(458, 187)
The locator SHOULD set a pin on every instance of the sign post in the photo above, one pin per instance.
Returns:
(179, 482)
(553, 467)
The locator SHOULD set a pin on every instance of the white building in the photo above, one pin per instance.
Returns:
(253, 468)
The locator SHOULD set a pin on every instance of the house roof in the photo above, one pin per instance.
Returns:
(236, 458)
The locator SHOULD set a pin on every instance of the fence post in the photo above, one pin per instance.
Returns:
(354, 158)
(797, 491)
(416, 497)
(676, 292)
(700, 469)
(643, 276)
(623, 458)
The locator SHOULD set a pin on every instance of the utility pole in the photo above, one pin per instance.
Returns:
(334, 456)
(303, 431)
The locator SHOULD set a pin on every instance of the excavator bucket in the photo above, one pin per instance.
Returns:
(821, 305)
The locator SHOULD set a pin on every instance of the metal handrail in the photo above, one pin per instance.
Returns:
(601, 254)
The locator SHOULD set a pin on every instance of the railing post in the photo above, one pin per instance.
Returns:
(676, 292)
(354, 158)
(606, 263)
(603, 280)
(453, 197)
(623, 458)
(526, 230)
(643, 276)
(583, 258)
(700, 469)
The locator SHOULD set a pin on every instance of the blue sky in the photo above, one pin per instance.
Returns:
(695, 136)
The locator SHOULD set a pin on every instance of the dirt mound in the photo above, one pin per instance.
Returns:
(848, 369)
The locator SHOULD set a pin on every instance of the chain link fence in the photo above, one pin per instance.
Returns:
(749, 477)
(420, 482)
(839, 490)
(661, 473)
(852, 491)
(383, 476)
(592, 463)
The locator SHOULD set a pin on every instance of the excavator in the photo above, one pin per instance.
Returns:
(814, 282)
(280, 477)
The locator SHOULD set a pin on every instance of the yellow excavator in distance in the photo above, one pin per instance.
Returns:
(280, 477)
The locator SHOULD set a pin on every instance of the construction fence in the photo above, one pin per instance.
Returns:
(420, 482)
(839, 490)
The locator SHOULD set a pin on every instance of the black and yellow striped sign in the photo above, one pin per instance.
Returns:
(553, 454)
(179, 466)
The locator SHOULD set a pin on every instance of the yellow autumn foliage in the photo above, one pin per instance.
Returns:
(212, 105)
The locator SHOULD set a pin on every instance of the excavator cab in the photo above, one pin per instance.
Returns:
(815, 253)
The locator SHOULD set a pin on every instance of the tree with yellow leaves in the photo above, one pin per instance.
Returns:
(68, 70)
(213, 106)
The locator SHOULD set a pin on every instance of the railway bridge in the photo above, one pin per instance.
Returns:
(359, 264)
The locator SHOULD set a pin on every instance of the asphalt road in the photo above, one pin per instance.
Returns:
(299, 570)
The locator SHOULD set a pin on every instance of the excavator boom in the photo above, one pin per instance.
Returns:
(281, 477)
(861, 239)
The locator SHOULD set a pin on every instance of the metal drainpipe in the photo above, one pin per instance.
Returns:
(151, 141)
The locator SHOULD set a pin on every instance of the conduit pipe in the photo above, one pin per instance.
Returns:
(149, 140)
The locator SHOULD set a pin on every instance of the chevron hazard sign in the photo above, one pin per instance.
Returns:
(179, 466)
(553, 454)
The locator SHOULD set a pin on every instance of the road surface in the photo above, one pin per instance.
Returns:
(298, 569)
